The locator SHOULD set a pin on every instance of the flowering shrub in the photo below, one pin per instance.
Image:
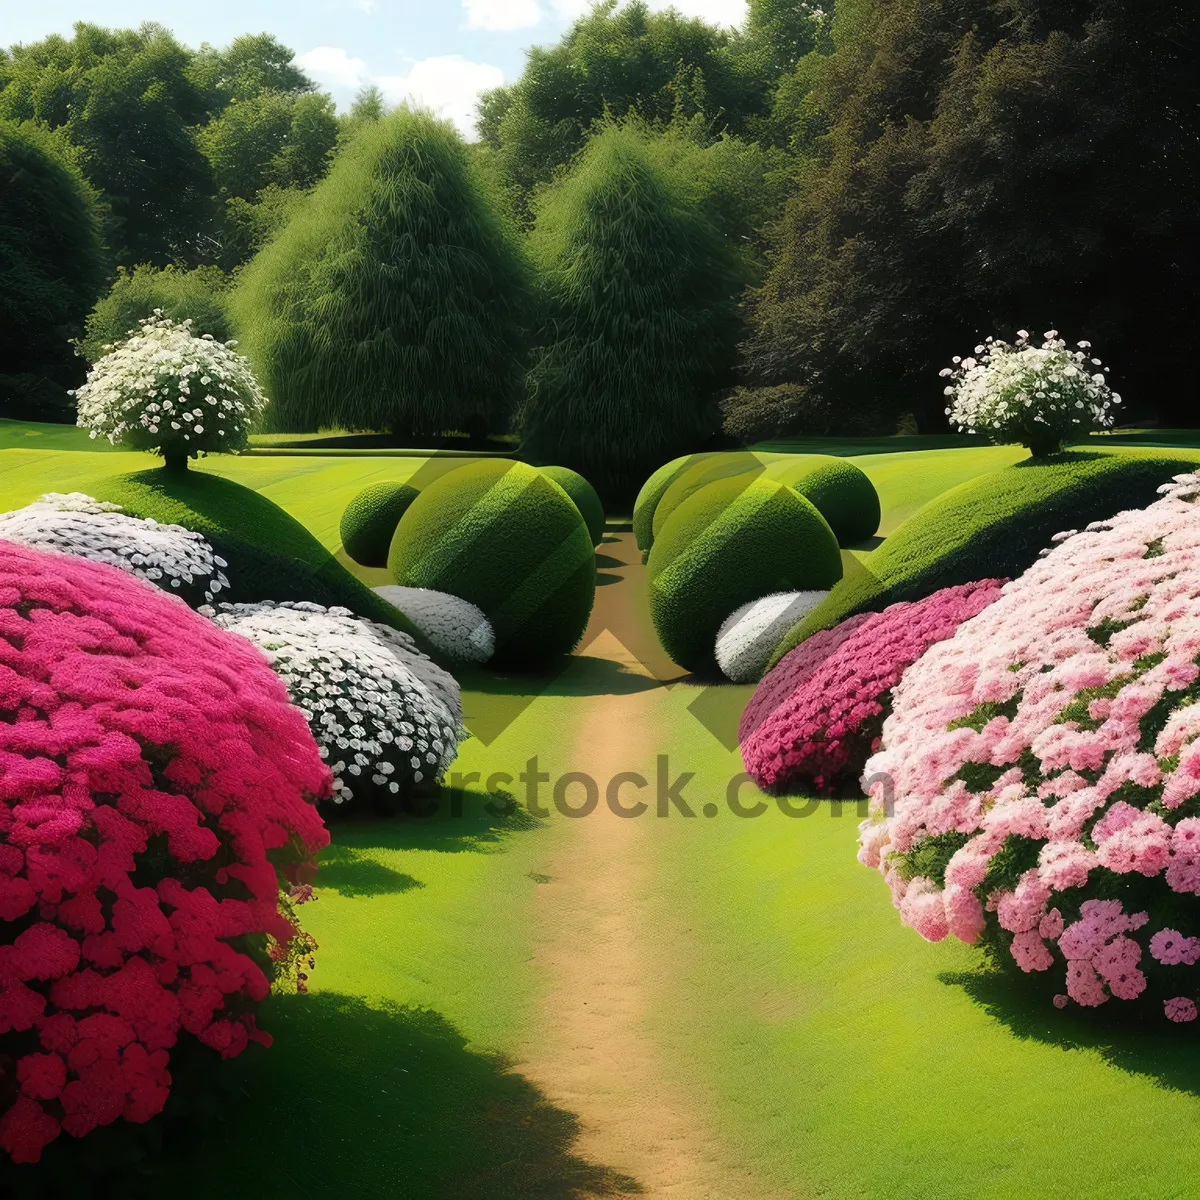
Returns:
(1035, 395)
(166, 390)
(156, 791)
(453, 626)
(1046, 767)
(817, 715)
(174, 558)
(750, 634)
(385, 716)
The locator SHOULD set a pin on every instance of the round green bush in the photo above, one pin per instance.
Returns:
(844, 496)
(586, 498)
(508, 539)
(699, 475)
(370, 520)
(727, 545)
(652, 492)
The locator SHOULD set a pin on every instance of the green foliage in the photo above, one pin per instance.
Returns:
(198, 295)
(271, 556)
(754, 414)
(843, 495)
(653, 491)
(979, 159)
(638, 332)
(503, 536)
(394, 299)
(731, 543)
(248, 225)
(991, 526)
(370, 520)
(584, 497)
(52, 266)
(249, 66)
(744, 466)
(275, 139)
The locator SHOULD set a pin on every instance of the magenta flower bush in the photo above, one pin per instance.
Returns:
(157, 815)
(816, 717)
(1045, 768)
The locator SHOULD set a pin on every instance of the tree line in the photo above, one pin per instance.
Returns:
(664, 226)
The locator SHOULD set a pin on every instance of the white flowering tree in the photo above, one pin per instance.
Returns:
(1039, 396)
(165, 390)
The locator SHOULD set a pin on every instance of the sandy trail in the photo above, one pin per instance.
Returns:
(595, 1053)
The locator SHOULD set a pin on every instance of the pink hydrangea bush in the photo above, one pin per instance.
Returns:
(1038, 790)
(816, 717)
(157, 791)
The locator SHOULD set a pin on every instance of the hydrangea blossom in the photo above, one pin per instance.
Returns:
(1036, 395)
(167, 390)
(455, 627)
(817, 715)
(1045, 767)
(157, 791)
(747, 639)
(385, 716)
(178, 560)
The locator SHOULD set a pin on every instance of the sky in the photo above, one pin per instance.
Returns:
(440, 53)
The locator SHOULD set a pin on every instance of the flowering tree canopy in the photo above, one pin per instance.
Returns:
(157, 792)
(166, 390)
(1035, 395)
(1045, 763)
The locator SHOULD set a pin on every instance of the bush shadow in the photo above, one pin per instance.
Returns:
(353, 873)
(385, 1101)
(1139, 1049)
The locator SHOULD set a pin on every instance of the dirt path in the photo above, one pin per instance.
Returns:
(595, 1052)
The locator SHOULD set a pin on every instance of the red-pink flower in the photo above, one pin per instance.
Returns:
(134, 736)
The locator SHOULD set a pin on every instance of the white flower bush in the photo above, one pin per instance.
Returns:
(177, 560)
(165, 389)
(454, 626)
(384, 715)
(747, 639)
(1038, 396)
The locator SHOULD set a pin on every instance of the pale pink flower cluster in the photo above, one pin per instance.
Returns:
(1062, 726)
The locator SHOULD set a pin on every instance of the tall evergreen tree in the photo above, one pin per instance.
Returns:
(395, 297)
(52, 265)
(638, 328)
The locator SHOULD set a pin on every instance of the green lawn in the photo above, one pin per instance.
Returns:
(829, 1050)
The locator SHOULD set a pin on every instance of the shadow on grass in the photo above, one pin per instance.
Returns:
(453, 820)
(353, 873)
(361, 1101)
(1150, 1049)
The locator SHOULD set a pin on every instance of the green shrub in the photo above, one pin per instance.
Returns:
(52, 264)
(639, 330)
(759, 414)
(991, 526)
(585, 497)
(652, 492)
(395, 297)
(370, 520)
(843, 495)
(506, 538)
(198, 296)
(700, 474)
(271, 556)
(729, 544)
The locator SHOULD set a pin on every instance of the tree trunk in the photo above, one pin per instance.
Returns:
(175, 460)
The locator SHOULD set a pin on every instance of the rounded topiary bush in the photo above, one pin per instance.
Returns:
(652, 492)
(700, 474)
(157, 808)
(509, 540)
(843, 495)
(731, 543)
(586, 498)
(370, 520)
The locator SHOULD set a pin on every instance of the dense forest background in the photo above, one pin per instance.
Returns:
(834, 200)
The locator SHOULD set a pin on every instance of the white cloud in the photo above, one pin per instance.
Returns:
(449, 84)
(502, 14)
(370, 7)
